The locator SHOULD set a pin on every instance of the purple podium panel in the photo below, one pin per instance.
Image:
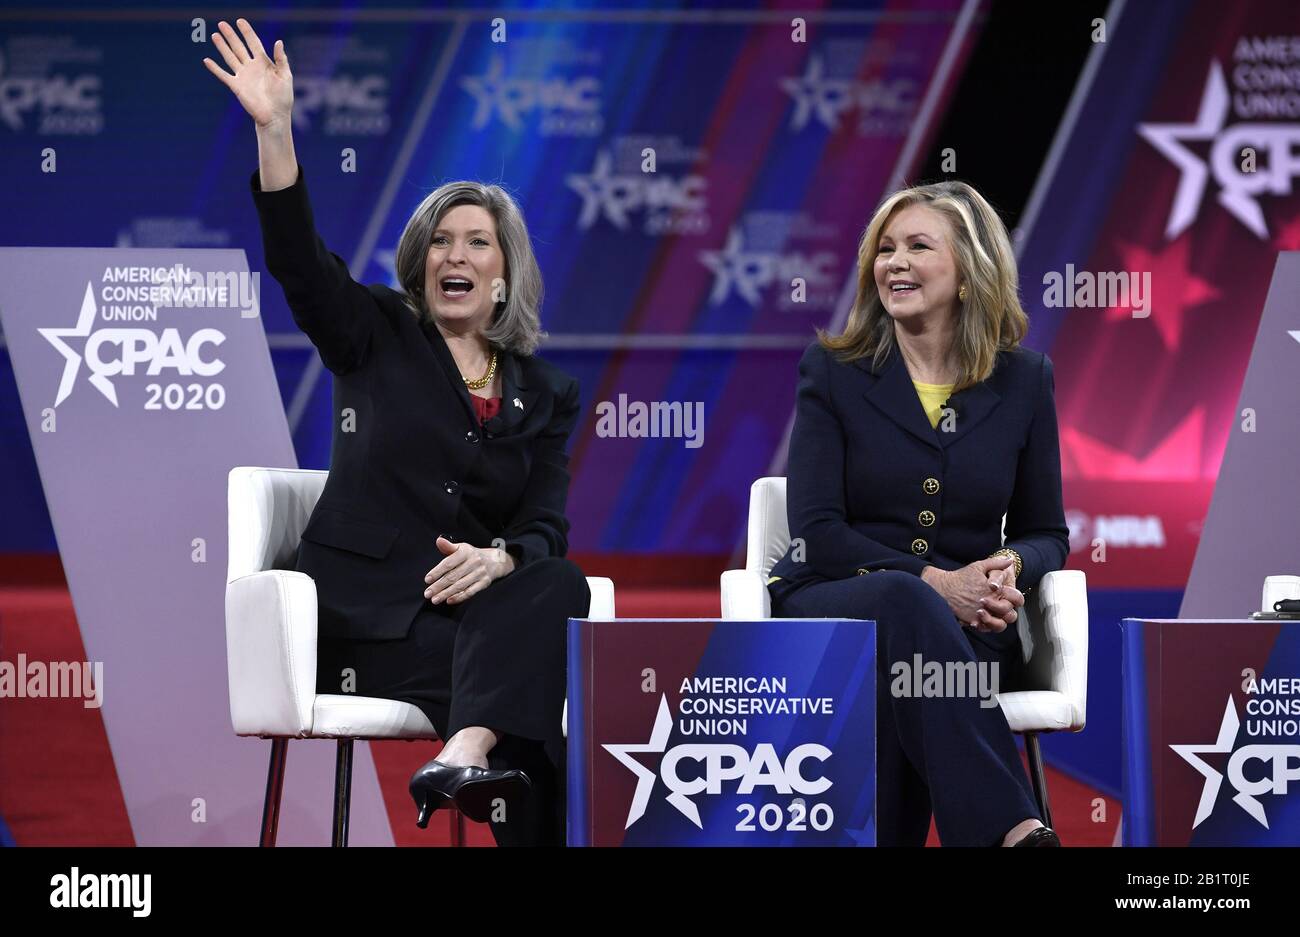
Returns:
(694, 732)
(1211, 733)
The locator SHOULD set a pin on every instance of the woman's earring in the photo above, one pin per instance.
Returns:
(961, 294)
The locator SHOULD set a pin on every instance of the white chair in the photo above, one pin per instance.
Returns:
(271, 642)
(1053, 630)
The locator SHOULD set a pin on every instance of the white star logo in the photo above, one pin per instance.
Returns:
(645, 778)
(1240, 188)
(1166, 138)
(733, 265)
(813, 91)
(1213, 779)
(72, 360)
(601, 189)
(490, 91)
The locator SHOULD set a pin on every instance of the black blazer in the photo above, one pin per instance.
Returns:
(871, 485)
(409, 460)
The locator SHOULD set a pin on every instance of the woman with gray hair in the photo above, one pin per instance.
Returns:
(437, 546)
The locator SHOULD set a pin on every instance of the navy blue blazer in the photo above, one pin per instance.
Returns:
(871, 485)
(412, 462)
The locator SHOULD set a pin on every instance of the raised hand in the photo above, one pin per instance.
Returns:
(264, 86)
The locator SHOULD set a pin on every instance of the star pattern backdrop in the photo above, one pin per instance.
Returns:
(1154, 179)
(678, 285)
(770, 142)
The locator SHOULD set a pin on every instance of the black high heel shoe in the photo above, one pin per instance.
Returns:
(472, 789)
(1039, 836)
(428, 802)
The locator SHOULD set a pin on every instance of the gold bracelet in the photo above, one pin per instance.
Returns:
(1007, 551)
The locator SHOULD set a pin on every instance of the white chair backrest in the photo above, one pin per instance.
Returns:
(769, 530)
(268, 509)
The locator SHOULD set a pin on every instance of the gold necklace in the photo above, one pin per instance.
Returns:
(486, 379)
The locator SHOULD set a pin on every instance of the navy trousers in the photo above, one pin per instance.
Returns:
(947, 753)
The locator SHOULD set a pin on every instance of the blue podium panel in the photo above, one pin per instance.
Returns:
(1211, 733)
(687, 732)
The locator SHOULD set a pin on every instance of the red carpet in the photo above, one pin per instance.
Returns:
(58, 785)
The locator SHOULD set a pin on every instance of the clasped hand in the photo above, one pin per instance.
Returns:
(983, 594)
(465, 571)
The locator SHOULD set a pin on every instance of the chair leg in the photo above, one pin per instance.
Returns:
(342, 791)
(274, 788)
(1037, 776)
(455, 826)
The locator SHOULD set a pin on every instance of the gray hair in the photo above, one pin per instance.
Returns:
(516, 323)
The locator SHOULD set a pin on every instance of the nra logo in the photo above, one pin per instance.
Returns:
(1116, 530)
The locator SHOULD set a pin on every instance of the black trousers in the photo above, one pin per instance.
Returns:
(496, 660)
(952, 753)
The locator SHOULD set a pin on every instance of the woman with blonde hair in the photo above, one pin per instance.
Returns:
(916, 431)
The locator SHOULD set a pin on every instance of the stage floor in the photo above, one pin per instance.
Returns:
(58, 785)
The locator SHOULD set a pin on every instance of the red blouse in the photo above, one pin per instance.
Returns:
(485, 407)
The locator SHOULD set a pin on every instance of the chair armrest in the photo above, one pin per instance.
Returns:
(602, 607)
(745, 595)
(602, 597)
(1055, 640)
(271, 652)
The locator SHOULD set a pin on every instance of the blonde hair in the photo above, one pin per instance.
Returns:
(990, 320)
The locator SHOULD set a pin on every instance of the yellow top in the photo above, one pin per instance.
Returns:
(933, 397)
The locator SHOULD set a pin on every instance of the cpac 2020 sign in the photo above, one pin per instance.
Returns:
(722, 733)
(118, 334)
